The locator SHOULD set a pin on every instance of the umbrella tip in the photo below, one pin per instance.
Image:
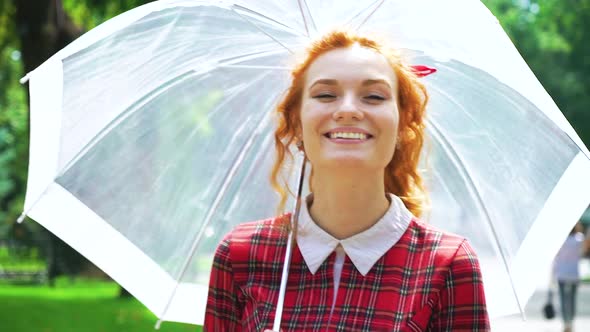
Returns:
(21, 218)
(24, 79)
(158, 324)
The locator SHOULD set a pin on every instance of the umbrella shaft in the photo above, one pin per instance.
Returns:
(288, 252)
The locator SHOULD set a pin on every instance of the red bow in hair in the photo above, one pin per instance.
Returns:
(421, 70)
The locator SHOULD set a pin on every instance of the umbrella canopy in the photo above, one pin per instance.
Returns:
(152, 135)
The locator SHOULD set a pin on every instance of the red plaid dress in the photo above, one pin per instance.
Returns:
(428, 281)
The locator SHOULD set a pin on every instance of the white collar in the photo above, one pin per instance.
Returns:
(364, 249)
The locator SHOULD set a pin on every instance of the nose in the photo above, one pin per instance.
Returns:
(348, 110)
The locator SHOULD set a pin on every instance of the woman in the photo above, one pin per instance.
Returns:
(567, 275)
(363, 261)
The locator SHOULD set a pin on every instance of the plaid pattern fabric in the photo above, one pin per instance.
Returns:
(428, 281)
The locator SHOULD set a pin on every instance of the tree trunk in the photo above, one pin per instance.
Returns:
(43, 28)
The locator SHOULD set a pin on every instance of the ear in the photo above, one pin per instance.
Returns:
(299, 144)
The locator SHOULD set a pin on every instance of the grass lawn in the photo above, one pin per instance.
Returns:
(81, 306)
(30, 263)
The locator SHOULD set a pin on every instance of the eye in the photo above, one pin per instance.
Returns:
(374, 98)
(324, 96)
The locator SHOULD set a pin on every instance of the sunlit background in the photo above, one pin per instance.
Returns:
(47, 286)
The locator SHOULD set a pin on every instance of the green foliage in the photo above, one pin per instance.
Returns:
(81, 305)
(553, 36)
(12, 263)
(90, 13)
(6, 28)
(13, 121)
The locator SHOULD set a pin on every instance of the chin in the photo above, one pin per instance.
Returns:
(348, 162)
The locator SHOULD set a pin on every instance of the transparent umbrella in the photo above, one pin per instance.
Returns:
(151, 137)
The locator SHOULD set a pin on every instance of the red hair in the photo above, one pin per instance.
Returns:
(402, 177)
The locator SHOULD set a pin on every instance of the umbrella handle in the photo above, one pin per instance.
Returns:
(288, 253)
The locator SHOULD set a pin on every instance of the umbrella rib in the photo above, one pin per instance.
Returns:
(583, 151)
(25, 213)
(131, 109)
(256, 164)
(267, 18)
(368, 16)
(92, 142)
(234, 60)
(258, 27)
(153, 94)
(256, 67)
(304, 8)
(237, 164)
(155, 45)
(508, 170)
(462, 168)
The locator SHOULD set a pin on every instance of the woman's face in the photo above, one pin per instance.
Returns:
(349, 113)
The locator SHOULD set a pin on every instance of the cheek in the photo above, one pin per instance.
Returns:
(389, 130)
(311, 119)
(389, 123)
(306, 123)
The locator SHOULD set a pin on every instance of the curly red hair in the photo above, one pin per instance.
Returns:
(402, 177)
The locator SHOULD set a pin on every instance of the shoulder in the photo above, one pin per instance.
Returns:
(433, 237)
(445, 247)
(246, 239)
(260, 230)
(459, 302)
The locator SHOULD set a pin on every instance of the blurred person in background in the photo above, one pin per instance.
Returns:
(567, 274)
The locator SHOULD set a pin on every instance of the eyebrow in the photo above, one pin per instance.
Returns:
(365, 82)
(376, 81)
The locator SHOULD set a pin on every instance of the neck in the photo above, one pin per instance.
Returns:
(347, 202)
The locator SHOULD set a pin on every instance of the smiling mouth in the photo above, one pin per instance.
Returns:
(348, 136)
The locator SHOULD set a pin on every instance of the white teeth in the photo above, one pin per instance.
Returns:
(359, 136)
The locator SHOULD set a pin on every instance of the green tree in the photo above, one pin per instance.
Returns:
(30, 32)
(553, 37)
